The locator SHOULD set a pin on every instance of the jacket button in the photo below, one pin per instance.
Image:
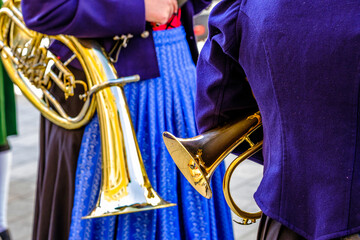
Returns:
(145, 34)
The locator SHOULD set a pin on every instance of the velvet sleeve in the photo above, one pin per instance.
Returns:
(85, 18)
(223, 93)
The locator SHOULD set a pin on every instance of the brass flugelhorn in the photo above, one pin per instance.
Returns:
(27, 57)
(198, 157)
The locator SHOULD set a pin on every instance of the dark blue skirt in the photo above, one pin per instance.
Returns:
(156, 105)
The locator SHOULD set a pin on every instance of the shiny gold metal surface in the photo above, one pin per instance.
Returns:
(29, 64)
(125, 186)
(198, 157)
(247, 218)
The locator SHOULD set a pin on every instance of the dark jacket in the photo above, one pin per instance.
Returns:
(302, 61)
(104, 19)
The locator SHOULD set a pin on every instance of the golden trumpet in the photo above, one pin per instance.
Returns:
(198, 157)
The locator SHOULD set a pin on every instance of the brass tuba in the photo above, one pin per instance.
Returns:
(198, 157)
(125, 186)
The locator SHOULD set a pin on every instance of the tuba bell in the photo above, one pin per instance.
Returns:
(32, 66)
(198, 157)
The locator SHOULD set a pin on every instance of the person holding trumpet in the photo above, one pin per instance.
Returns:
(301, 60)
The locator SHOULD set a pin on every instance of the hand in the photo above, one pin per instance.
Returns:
(160, 11)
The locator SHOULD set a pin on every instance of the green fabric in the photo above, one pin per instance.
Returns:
(7, 107)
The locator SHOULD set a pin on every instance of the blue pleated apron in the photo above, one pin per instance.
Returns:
(156, 105)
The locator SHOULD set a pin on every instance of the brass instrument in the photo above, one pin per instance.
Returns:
(125, 186)
(198, 157)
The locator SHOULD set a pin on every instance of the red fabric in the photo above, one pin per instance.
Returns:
(174, 22)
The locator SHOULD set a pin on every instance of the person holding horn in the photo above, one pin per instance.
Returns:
(162, 50)
(301, 60)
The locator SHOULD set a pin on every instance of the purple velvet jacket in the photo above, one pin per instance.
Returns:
(302, 60)
(104, 19)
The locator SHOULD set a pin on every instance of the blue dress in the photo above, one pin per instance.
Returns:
(156, 105)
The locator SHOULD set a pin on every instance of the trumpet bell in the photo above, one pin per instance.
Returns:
(188, 163)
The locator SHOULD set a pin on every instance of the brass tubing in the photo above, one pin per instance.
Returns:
(197, 158)
(247, 217)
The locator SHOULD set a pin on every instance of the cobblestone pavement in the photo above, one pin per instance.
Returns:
(24, 169)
